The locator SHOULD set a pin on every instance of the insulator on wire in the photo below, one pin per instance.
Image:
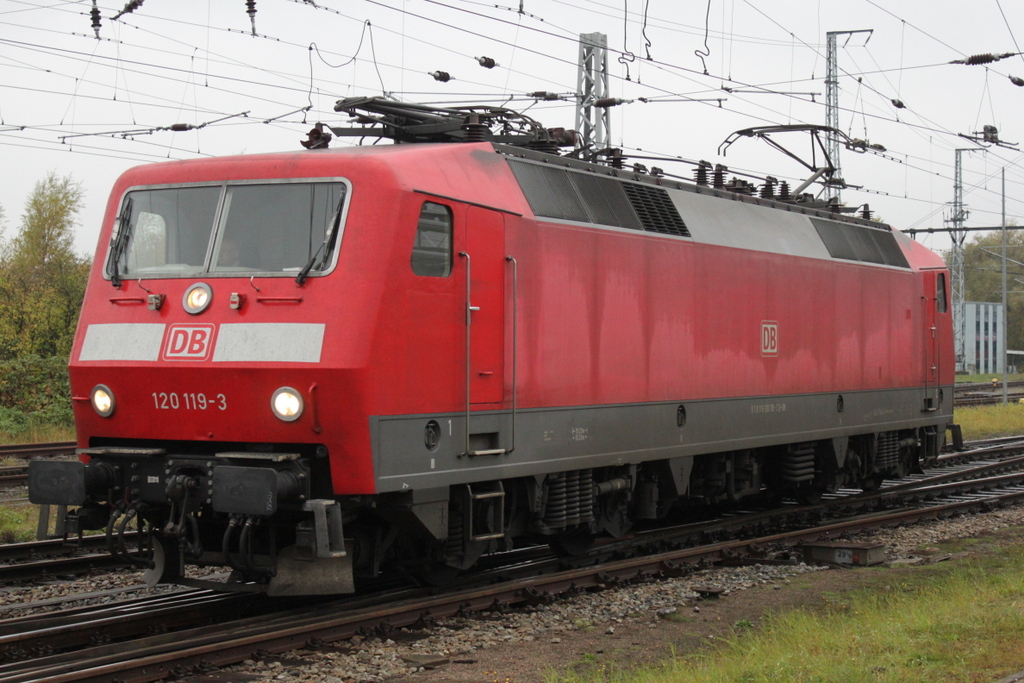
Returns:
(1017, 81)
(486, 62)
(546, 96)
(95, 14)
(442, 76)
(250, 9)
(987, 58)
(898, 104)
(128, 8)
(605, 102)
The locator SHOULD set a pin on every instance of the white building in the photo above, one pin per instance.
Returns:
(983, 343)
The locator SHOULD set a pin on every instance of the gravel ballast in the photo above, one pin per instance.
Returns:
(523, 644)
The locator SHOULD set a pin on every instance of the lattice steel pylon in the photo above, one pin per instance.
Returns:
(593, 123)
(956, 218)
(832, 105)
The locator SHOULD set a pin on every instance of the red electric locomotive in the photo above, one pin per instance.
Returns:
(317, 366)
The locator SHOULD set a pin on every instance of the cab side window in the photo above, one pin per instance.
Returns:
(940, 292)
(432, 249)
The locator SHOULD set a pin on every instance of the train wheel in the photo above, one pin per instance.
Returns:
(437, 574)
(574, 543)
(166, 561)
(809, 496)
(872, 483)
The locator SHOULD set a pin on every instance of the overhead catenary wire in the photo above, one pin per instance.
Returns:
(739, 103)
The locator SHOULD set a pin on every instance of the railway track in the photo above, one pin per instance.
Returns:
(952, 489)
(32, 450)
(986, 393)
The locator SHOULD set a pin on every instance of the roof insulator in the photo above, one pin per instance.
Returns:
(700, 174)
(486, 62)
(442, 76)
(718, 176)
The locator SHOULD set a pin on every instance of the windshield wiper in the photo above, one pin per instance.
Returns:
(325, 247)
(120, 242)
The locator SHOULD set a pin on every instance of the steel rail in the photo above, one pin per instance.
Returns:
(31, 450)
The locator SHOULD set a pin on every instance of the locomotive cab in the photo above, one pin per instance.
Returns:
(196, 337)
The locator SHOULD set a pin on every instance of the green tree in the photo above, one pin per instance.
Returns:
(983, 277)
(42, 279)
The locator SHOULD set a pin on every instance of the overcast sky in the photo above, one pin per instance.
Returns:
(74, 104)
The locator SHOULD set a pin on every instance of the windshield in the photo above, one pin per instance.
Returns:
(273, 228)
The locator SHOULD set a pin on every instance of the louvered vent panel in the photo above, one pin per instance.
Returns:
(655, 208)
(889, 248)
(863, 243)
(835, 239)
(549, 191)
(606, 201)
(860, 243)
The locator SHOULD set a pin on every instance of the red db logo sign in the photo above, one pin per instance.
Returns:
(188, 342)
(769, 338)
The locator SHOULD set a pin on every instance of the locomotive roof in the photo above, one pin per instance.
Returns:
(457, 170)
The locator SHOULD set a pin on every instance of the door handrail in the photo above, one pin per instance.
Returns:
(469, 322)
(515, 341)
(469, 342)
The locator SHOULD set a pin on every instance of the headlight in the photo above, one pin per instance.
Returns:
(102, 400)
(287, 404)
(197, 298)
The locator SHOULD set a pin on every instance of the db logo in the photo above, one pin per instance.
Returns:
(188, 342)
(769, 338)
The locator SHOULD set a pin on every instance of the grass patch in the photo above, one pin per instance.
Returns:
(988, 378)
(18, 523)
(935, 623)
(37, 433)
(983, 422)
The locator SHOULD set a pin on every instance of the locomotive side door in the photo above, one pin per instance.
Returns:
(933, 299)
(484, 257)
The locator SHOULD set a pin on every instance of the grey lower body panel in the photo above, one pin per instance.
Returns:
(409, 454)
